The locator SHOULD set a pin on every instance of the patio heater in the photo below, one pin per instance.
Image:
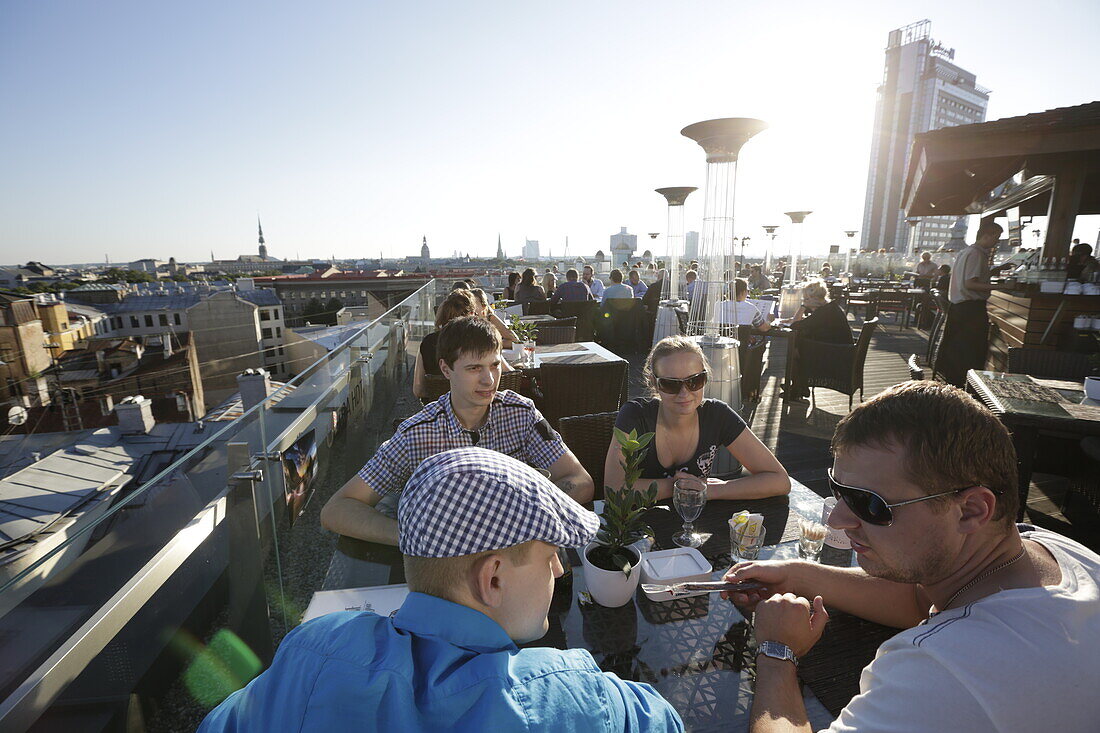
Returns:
(790, 296)
(911, 244)
(770, 230)
(742, 258)
(674, 239)
(848, 252)
(797, 217)
(721, 140)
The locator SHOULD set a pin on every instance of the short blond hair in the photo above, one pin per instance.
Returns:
(441, 576)
(815, 293)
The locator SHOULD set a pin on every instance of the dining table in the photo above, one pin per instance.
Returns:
(1029, 406)
(698, 652)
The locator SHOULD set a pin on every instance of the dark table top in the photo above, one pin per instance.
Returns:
(1041, 402)
(698, 652)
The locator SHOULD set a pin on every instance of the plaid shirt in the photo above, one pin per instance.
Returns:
(514, 427)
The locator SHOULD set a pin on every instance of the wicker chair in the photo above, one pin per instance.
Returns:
(750, 353)
(560, 331)
(536, 308)
(621, 325)
(892, 302)
(581, 389)
(585, 313)
(589, 436)
(838, 367)
(1049, 364)
(437, 386)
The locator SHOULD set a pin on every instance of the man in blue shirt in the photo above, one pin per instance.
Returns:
(595, 285)
(616, 289)
(571, 290)
(480, 533)
(637, 285)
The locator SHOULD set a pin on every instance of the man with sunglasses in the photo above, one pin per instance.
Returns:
(1001, 621)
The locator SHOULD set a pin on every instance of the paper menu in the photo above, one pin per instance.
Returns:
(381, 599)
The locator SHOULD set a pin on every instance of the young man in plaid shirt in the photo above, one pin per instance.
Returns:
(474, 413)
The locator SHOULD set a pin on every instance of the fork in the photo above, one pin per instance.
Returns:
(710, 586)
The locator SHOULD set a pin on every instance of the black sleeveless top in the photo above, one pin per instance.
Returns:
(719, 426)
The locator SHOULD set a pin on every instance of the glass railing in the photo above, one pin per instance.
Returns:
(179, 577)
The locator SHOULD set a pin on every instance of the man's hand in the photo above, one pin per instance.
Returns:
(775, 576)
(791, 620)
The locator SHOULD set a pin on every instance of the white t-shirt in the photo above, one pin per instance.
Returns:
(739, 313)
(972, 262)
(1024, 659)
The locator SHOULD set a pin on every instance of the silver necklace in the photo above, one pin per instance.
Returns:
(981, 577)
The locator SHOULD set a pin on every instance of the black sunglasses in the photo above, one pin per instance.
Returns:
(695, 382)
(872, 508)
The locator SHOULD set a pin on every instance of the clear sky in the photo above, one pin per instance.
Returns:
(150, 129)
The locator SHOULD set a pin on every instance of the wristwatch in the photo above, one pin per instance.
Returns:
(775, 650)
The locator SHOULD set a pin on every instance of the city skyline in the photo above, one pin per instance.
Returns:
(354, 131)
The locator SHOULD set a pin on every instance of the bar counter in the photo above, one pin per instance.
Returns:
(1021, 318)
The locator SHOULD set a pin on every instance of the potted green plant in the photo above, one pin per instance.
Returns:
(611, 560)
(525, 331)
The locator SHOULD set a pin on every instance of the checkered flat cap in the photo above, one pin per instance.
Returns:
(470, 500)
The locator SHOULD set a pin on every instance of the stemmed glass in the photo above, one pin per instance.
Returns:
(689, 496)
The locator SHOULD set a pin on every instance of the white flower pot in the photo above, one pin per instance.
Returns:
(610, 588)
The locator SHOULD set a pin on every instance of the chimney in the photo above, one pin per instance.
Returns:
(135, 415)
(255, 386)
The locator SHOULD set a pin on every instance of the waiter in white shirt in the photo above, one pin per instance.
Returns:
(966, 333)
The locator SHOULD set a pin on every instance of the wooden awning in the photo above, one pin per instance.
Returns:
(965, 169)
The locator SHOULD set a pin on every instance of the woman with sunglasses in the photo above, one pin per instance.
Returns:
(690, 430)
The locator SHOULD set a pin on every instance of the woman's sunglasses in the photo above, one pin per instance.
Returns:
(694, 383)
(872, 508)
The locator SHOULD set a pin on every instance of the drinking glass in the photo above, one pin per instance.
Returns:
(811, 537)
(529, 353)
(689, 496)
(746, 548)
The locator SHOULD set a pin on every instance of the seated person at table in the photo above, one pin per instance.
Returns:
(549, 283)
(691, 430)
(689, 284)
(943, 277)
(1082, 265)
(826, 270)
(510, 288)
(483, 309)
(817, 319)
(572, 290)
(473, 413)
(595, 285)
(448, 658)
(1001, 620)
(757, 279)
(739, 311)
(527, 291)
(637, 285)
(616, 289)
(461, 302)
(926, 267)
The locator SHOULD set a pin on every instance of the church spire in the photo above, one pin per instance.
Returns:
(500, 250)
(263, 247)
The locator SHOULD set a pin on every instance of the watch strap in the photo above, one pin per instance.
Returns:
(776, 650)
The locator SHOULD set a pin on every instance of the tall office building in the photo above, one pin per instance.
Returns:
(531, 249)
(921, 90)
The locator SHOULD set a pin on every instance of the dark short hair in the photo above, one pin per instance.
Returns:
(571, 274)
(467, 335)
(990, 227)
(616, 275)
(1082, 247)
(512, 278)
(950, 440)
(589, 267)
(459, 303)
(740, 287)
